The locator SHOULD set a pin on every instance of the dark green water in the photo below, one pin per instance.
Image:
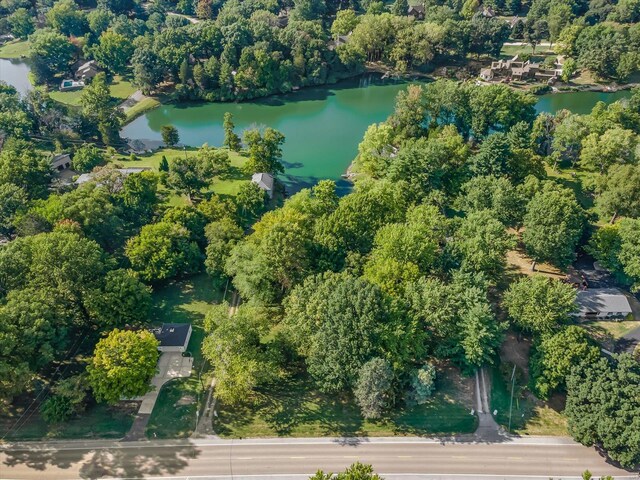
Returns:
(577, 102)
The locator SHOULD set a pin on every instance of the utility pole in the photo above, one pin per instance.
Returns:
(513, 384)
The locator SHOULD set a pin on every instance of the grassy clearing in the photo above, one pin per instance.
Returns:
(120, 89)
(529, 416)
(228, 185)
(140, 108)
(579, 181)
(294, 408)
(184, 301)
(15, 49)
(98, 421)
(511, 50)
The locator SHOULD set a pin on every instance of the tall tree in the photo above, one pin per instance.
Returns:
(265, 152)
(231, 139)
(122, 365)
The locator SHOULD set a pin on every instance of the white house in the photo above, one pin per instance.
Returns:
(87, 70)
(265, 181)
(602, 303)
(173, 337)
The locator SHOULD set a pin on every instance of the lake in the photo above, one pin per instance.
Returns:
(323, 126)
(16, 73)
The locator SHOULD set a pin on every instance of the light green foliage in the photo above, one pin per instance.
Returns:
(250, 201)
(539, 304)
(402, 252)
(617, 248)
(113, 51)
(97, 105)
(221, 238)
(553, 225)
(65, 17)
(265, 151)
(190, 174)
(602, 407)
(122, 301)
(357, 471)
(619, 191)
(86, 158)
(614, 146)
(234, 347)
(373, 389)
(629, 255)
(14, 201)
(122, 365)
(423, 384)
(554, 356)
(482, 243)
(374, 152)
(163, 250)
(344, 23)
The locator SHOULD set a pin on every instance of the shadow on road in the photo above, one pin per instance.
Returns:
(106, 462)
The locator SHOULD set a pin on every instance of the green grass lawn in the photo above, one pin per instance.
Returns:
(98, 421)
(180, 302)
(140, 108)
(120, 89)
(224, 186)
(529, 417)
(15, 49)
(577, 180)
(293, 407)
(509, 51)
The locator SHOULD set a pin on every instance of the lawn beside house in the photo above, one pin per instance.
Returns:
(120, 89)
(183, 301)
(15, 49)
(294, 408)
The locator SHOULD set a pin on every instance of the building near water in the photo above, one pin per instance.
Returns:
(265, 181)
(607, 303)
(516, 69)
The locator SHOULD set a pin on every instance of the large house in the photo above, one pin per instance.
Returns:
(602, 303)
(87, 70)
(516, 69)
(416, 11)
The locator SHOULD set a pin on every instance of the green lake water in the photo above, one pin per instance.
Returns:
(322, 126)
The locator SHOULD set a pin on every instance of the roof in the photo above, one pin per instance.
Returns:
(603, 300)
(87, 177)
(416, 8)
(263, 180)
(87, 65)
(60, 159)
(173, 334)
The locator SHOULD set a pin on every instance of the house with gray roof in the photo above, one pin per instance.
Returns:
(265, 181)
(173, 337)
(602, 303)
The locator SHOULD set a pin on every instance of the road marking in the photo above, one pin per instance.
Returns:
(298, 457)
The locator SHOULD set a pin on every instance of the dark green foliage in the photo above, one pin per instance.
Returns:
(170, 135)
(603, 408)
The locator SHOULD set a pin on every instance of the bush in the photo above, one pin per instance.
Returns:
(68, 400)
(57, 409)
(423, 384)
(540, 89)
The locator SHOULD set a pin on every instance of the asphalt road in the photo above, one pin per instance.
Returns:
(291, 459)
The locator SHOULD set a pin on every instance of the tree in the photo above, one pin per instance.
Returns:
(221, 237)
(170, 135)
(250, 201)
(265, 152)
(539, 304)
(495, 194)
(349, 314)
(122, 301)
(602, 406)
(345, 22)
(122, 365)
(482, 243)
(188, 175)
(553, 225)
(51, 53)
(21, 23)
(373, 389)
(400, 7)
(14, 201)
(86, 158)
(97, 105)
(65, 17)
(619, 192)
(163, 166)
(555, 355)
(235, 348)
(615, 146)
(357, 471)
(163, 250)
(69, 398)
(423, 384)
(231, 139)
(113, 52)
